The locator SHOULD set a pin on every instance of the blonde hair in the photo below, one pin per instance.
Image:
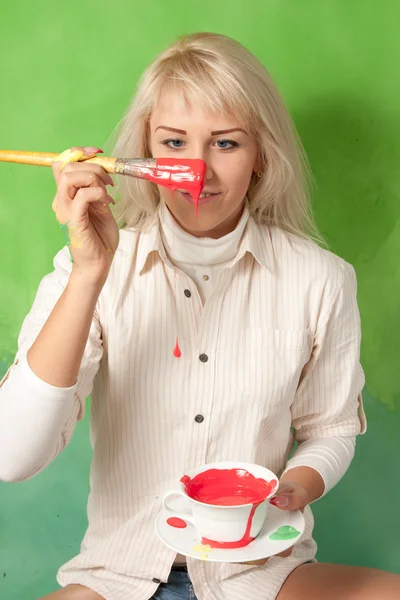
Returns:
(222, 75)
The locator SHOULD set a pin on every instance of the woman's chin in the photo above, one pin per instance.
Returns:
(198, 226)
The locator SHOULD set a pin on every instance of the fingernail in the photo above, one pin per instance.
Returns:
(280, 501)
(93, 150)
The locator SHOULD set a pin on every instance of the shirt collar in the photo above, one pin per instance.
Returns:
(256, 240)
(149, 242)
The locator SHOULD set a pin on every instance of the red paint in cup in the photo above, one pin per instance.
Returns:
(229, 487)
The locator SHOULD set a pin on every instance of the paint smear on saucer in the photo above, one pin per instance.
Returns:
(204, 550)
(285, 532)
(176, 522)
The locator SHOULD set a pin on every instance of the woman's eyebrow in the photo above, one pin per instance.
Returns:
(182, 131)
(219, 132)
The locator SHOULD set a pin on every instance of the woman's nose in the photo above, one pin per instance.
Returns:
(209, 171)
(203, 154)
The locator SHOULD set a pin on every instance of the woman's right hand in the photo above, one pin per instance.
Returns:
(82, 204)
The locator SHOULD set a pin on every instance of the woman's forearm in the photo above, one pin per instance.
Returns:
(56, 355)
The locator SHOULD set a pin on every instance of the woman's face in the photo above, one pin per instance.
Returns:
(229, 151)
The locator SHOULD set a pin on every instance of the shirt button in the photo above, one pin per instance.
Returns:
(155, 580)
(187, 293)
(203, 357)
(206, 277)
(199, 418)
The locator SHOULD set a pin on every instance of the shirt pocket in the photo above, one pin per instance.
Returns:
(275, 359)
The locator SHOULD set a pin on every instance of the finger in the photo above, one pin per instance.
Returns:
(79, 206)
(74, 154)
(77, 153)
(286, 502)
(290, 501)
(281, 502)
(101, 209)
(286, 553)
(86, 196)
(92, 150)
(263, 561)
(71, 181)
(78, 167)
(68, 186)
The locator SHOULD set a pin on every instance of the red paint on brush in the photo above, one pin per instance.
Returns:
(183, 174)
(229, 487)
(177, 350)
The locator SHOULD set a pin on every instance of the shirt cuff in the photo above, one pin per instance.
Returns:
(38, 385)
(33, 416)
(329, 456)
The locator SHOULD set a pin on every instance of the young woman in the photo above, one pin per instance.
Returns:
(265, 319)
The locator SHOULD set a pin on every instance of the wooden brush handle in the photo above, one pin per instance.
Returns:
(45, 159)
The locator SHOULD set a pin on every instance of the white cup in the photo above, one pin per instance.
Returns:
(231, 526)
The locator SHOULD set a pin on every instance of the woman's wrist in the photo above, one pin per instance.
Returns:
(308, 478)
(93, 281)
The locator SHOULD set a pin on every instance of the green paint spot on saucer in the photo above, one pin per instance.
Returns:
(286, 532)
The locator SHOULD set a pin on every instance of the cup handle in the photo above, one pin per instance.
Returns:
(186, 516)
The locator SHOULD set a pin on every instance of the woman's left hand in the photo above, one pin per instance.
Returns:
(290, 496)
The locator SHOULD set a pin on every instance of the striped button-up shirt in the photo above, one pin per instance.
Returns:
(271, 357)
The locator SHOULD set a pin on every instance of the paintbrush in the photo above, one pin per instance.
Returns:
(183, 173)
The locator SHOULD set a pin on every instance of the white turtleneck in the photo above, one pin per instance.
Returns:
(202, 259)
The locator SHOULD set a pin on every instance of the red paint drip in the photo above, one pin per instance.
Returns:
(176, 522)
(228, 487)
(187, 174)
(245, 541)
(177, 350)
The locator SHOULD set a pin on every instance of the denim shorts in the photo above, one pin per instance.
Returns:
(178, 587)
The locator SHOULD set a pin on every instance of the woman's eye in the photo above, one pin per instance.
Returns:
(173, 143)
(226, 144)
(176, 144)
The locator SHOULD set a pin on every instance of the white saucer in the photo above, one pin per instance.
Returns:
(186, 541)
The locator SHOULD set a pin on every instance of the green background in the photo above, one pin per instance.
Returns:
(68, 71)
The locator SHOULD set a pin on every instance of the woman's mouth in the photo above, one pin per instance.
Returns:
(203, 198)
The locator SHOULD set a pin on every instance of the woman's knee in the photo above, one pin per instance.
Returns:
(73, 592)
(339, 582)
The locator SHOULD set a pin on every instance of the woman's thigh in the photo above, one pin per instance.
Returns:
(338, 582)
(73, 592)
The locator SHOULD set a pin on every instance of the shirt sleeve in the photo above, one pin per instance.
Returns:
(330, 456)
(37, 419)
(328, 401)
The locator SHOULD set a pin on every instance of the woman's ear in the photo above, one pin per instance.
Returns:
(257, 170)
